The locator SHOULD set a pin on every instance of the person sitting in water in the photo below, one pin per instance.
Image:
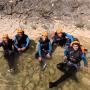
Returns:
(61, 38)
(72, 59)
(9, 51)
(44, 49)
(21, 40)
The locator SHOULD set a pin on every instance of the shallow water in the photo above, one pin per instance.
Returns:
(30, 77)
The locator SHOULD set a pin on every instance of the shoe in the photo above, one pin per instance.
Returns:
(10, 70)
(43, 67)
(51, 85)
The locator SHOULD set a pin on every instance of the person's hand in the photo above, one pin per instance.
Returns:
(65, 58)
(48, 55)
(23, 49)
(19, 49)
(40, 58)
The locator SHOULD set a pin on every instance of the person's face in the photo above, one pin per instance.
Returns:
(44, 38)
(20, 34)
(60, 34)
(75, 47)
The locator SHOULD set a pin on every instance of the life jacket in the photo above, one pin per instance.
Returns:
(7, 46)
(74, 56)
(61, 40)
(21, 40)
(44, 44)
(84, 50)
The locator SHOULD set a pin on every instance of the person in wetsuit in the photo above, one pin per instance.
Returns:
(61, 38)
(72, 59)
(9, 51)
(44, 49)
(21, 40)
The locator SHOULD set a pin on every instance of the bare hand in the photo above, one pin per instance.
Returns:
(65, 58)
(40, 58)
(19, 49)
(23, 49)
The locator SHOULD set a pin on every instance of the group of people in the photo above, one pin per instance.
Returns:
(14, 46)
(73, 51)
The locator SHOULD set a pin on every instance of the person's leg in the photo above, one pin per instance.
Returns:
(16, 61)
(11, 61)
(48, 55)
(64, 77)
(6, 56)
(43, 54)
(41, 62)
(62, 67)
(54, 46)
(37, 57)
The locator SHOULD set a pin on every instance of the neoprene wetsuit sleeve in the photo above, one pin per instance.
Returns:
(14, 39)
(27, 43)
(66, 52)
(70, 37)
(84, 59)
(39, 49)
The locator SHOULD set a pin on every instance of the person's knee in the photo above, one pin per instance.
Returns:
(48, 56)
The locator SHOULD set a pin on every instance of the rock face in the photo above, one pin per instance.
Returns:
(70, 11)
(46, 8)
